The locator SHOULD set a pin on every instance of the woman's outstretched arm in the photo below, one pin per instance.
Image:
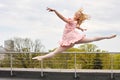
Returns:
(58, 14)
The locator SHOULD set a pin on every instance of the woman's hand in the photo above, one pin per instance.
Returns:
(84, 29)
(80, 28)
(50, 9)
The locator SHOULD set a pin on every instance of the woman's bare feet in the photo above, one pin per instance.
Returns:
(112, 36)
(38, 58)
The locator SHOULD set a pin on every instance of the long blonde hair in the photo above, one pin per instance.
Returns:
(83, 16)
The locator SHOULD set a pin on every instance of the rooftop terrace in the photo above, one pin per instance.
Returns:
(65, 66)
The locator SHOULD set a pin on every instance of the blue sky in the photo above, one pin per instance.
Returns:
(29, 19)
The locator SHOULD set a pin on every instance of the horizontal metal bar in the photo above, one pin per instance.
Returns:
(63, 52)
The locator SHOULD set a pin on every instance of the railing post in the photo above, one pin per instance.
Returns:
(9, 46)
(41, 68)
(11, 65)
(75, 66)
(42, 75)
(112, 64)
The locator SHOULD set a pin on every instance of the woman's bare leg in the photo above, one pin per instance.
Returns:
(87, 40)
(51, 54)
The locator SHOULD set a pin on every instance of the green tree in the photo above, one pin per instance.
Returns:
(97, 62)
(87, 59)
(26, 45)
(116, 61)
(62, 60)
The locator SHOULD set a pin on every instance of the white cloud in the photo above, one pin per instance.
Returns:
(29, 18)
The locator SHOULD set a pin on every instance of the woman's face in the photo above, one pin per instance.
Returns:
(77, 15)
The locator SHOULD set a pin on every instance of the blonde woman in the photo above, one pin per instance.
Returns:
(70, 35)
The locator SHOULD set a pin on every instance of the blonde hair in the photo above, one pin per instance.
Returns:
(83, 16)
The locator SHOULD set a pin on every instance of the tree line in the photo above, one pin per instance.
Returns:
(99, 59)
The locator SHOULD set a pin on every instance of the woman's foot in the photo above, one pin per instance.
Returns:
(112, 36)
(38, 58)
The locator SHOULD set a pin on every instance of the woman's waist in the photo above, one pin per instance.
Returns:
(69, 31)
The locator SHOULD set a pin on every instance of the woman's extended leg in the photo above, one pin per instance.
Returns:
(51, 54)
(87, 40)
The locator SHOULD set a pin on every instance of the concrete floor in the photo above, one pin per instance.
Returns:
(16, 79)
(22, 74)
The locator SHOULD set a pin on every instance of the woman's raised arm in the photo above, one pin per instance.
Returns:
(59, 15)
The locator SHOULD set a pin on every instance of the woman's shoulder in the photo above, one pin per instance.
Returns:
(72, 20)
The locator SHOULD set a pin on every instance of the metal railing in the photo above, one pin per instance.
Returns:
(75, 61)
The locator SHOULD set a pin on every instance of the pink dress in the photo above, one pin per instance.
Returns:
(70, 35)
